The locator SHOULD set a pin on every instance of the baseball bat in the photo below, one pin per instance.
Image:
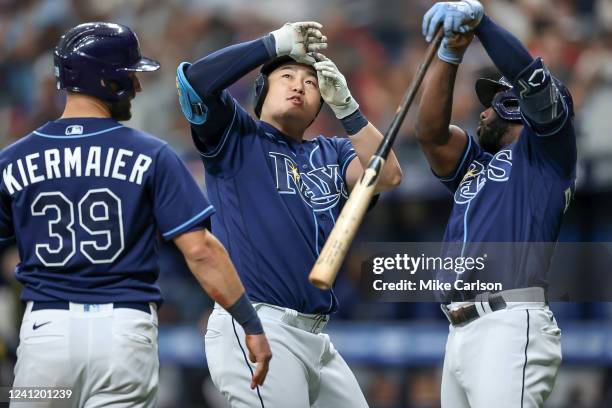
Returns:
(324, 271)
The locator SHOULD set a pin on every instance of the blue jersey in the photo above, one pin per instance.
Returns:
(517, 195)
(277, 202)
(83, 199)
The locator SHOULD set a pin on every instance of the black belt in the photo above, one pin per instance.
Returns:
(63, 305)
(468, 313)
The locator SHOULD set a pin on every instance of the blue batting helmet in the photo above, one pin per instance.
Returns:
(499, 96)
(261, 82)
(96, 59)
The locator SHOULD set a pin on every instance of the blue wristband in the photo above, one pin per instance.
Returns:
(244, 313)
(354, 122)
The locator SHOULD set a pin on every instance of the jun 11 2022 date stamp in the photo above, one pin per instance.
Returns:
(34, 394)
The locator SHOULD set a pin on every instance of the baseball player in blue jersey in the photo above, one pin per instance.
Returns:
(511, 184)
(278, 196)
(83, 197)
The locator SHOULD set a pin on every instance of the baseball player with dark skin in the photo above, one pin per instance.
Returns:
(279, 196)
(511, 184)
(84, 198)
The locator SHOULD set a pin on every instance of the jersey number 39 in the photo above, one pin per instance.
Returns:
(99, 213)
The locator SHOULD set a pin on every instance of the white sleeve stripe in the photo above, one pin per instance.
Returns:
(461, 163)
(346, 163)
(191, 221)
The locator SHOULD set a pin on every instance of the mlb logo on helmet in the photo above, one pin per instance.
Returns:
(74, 130)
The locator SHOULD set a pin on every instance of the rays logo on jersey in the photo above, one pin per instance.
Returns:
(321, 188)
(497, 170)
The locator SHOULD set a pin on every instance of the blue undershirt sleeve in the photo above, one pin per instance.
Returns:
(210, 77)
(215, 72)
(505, 50)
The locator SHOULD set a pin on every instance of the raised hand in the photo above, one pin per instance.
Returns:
(458, 20)
(455, 17)
(299, 39)
(333, 87)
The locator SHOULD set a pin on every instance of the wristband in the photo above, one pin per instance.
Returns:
(244, 313)
(354, 122)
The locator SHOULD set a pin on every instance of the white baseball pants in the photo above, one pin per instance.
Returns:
(108, 357)
(504, 359)
(305, 370)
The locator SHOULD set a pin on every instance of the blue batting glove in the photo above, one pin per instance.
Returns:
(455, 17)
(452, 56)
(452, 48)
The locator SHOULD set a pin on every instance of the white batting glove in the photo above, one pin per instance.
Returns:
(298, 39)
(333, 87)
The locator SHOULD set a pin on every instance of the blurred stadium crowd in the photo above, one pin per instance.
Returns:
(378, 46)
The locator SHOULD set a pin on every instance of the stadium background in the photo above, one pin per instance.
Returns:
(395, 349)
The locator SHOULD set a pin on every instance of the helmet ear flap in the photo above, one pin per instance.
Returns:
(261, 89)
(506, 105)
